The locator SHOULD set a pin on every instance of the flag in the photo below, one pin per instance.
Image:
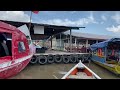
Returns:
(36, 12)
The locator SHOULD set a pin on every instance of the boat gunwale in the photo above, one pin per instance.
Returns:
(69, 72)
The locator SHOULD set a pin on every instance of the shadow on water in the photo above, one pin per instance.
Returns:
(50, 71)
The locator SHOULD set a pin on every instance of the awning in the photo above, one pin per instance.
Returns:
(104, 43)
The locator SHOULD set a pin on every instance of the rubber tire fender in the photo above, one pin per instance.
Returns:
(58, 58)
(42, 59)
(50, 58)
(65, 59)
(33, 60)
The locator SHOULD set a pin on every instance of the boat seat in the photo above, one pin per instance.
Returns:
(82, 76)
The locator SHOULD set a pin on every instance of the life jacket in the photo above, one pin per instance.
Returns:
(99, 52)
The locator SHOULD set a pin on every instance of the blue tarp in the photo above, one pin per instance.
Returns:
(103, 44)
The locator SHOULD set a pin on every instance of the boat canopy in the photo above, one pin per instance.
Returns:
(104, 43)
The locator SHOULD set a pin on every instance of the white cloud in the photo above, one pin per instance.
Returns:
(116, 17)
(21, 16)
(72, 12)
(67, 22)
(14, 16)
(114, 29)
(104, 18)
(101, 22)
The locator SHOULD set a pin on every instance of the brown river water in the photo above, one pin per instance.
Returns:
(56, 71)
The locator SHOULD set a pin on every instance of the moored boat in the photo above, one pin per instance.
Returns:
(15, 52)
(107, 54)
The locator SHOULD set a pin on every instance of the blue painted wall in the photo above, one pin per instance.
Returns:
(99, 59)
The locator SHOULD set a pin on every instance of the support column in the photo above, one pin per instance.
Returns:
(96, 41)
(86, 44)
(75, 42)
(60, 41)
(51, 41)
(70, 40)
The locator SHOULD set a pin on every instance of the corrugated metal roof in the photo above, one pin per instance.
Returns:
(89, 36)
(46, 25)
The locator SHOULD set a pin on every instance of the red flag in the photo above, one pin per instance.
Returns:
(36, 12)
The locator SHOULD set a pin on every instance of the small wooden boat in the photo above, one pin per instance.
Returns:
(80, 71)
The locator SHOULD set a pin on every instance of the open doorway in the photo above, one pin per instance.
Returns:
(5, 44)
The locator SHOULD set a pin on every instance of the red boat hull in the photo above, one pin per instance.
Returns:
(13, 70)
(16, 53)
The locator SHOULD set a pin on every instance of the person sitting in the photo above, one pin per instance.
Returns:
(3, 46)
(83, 49)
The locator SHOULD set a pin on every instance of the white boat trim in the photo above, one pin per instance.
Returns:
(9, 64)
(91, 71)
(64, 77)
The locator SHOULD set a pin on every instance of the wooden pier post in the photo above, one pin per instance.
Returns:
(70, 40)
(51, 41)
(60, 41)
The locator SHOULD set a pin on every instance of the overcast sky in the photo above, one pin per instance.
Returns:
(96, 22)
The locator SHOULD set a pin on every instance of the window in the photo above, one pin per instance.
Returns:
(5, 44)
(29, 40)
(21, 47)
